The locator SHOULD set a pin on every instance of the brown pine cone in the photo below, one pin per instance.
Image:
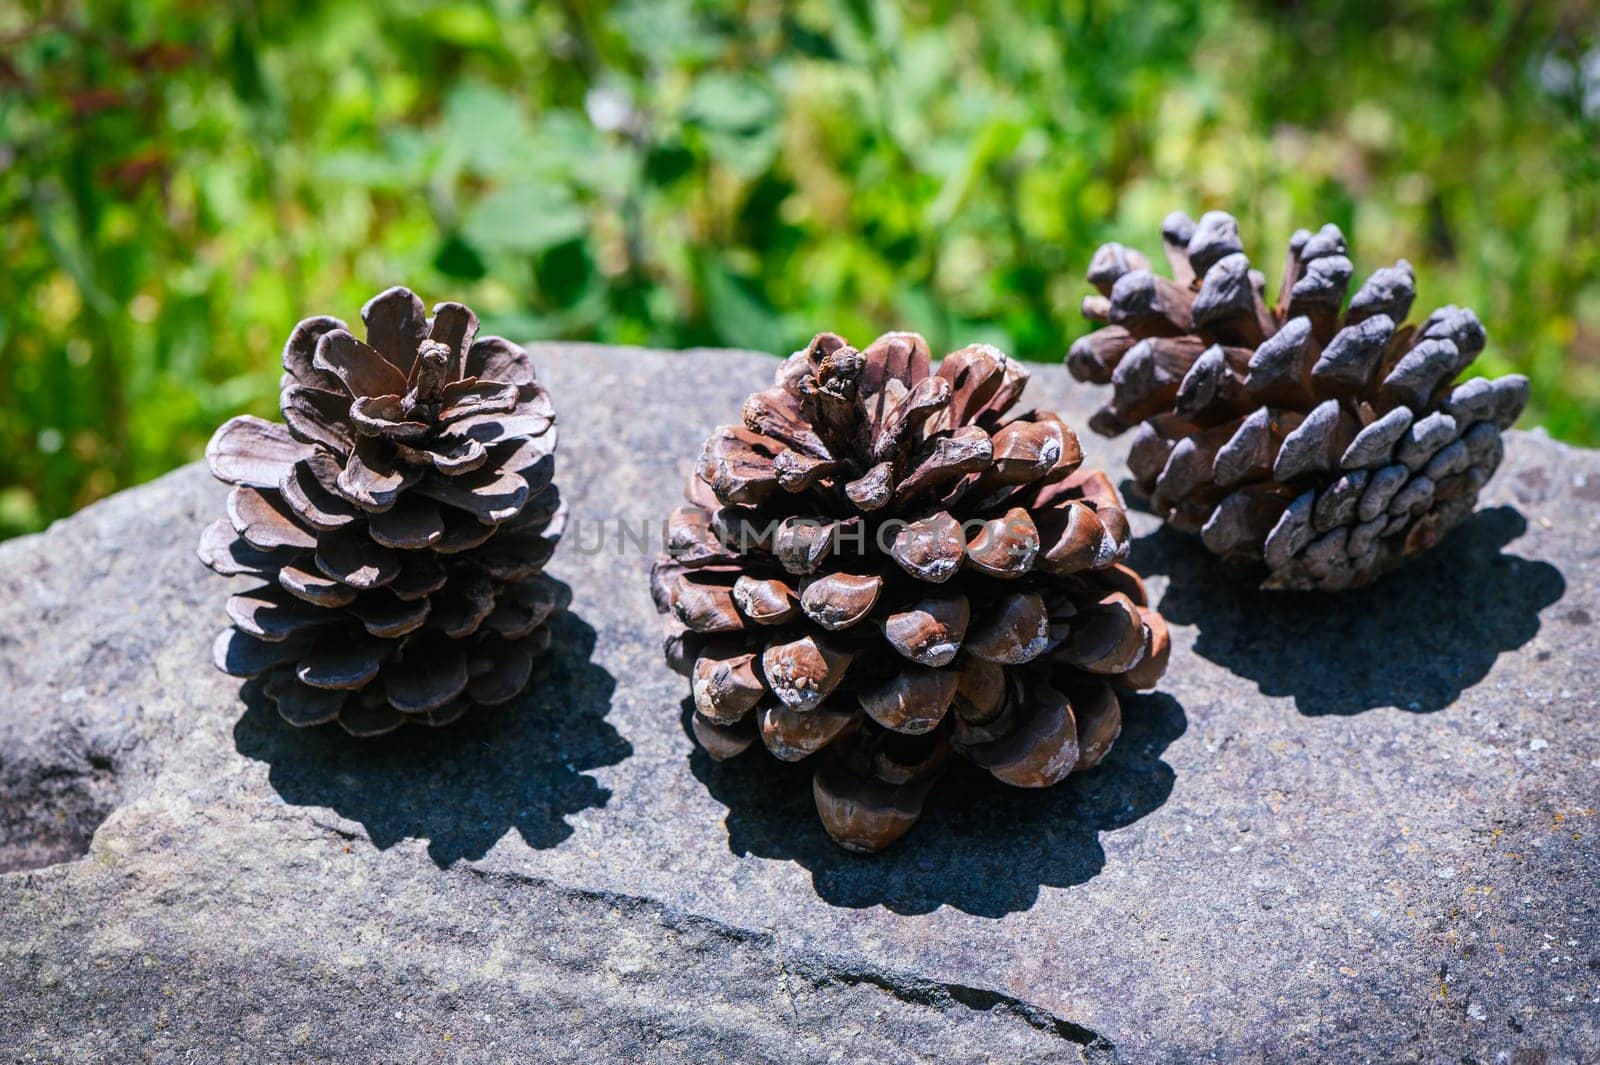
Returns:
(880, 568)
(1329, 444)
(400, 522)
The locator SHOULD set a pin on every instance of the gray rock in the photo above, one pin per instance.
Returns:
(1347, 828)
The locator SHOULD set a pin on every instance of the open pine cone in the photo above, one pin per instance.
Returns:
(400, 523)
(1330, 444)
(880, 568)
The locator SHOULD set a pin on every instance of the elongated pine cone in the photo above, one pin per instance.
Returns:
(880, 568)
(1330, 442)
(399, 523)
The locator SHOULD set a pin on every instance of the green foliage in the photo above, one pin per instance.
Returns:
(181, 181)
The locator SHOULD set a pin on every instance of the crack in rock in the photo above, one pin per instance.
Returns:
(822, 971)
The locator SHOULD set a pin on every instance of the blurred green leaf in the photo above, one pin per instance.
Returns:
(456, 258)
(468, 25)
(523, 218)
(732, 103)
(485, 129)
(740, 317)
(737, 114)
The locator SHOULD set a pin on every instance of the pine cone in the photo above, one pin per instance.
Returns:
(1331, 446)
(400, 522)
(880, 568)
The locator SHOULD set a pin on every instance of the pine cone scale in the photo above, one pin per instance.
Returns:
(359, 368)
(306, 494)
(252, 453)
(401, 518)
(304, 706)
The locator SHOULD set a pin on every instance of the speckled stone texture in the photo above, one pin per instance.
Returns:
(1356, 828)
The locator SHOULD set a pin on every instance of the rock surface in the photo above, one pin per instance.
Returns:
(1346, 829)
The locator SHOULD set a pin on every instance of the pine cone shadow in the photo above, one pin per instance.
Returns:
(1415, 639)
(462, 787)
(980, 846)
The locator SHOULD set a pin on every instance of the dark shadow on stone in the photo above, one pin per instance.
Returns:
(462, 787)
(1132, 498)
(1415, 639)
(980, 846)
(61, 777)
